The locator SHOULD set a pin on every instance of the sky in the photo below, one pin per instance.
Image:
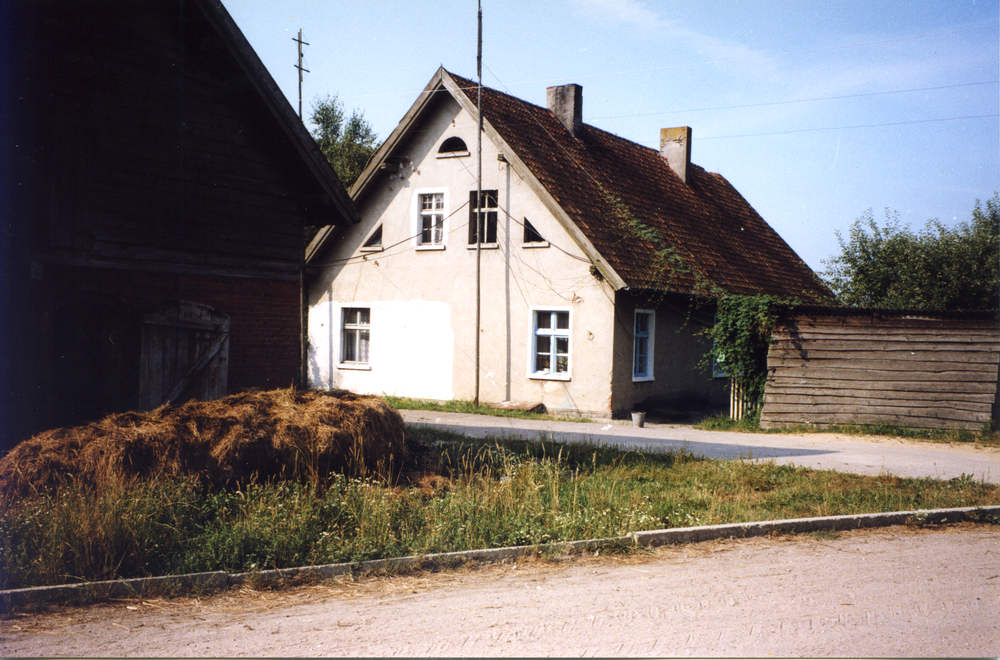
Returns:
(815, 111)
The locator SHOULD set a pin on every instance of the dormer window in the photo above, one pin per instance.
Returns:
(453, 147)
(374, 242)
(531, 236)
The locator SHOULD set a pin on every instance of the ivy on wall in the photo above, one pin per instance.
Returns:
(740, 339)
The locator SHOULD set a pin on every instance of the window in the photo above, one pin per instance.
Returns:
(550, 344)
(642, 343)
(356, 335)
(486, 214)
(531, 234)
(374, 241)
(452, 148)
(718, 371)
(430, 219)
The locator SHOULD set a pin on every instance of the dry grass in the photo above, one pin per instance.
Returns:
(279, 434)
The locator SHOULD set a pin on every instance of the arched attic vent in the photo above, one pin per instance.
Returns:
(453, 146)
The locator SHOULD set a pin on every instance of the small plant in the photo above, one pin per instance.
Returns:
(984, 518)
(826, 534)
(723, 422)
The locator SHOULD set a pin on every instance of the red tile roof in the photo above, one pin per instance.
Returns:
(654, 230)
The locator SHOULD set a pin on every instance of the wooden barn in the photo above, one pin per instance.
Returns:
(913, 369)
(156, 188)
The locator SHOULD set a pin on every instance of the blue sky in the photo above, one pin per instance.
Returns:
(815, 111)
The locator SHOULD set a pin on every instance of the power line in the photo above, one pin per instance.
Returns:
(837, 128)
(765, 55)
(810, 100)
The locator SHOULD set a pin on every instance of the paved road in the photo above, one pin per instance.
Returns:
(857, 454)
(867, 593)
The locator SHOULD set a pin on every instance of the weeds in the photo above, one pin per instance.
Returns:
(489, 493)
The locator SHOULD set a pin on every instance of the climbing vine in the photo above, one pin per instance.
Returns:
(740, 339)
(666, 262)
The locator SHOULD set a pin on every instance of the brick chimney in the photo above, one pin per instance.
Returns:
(566, 103)
(675, 147)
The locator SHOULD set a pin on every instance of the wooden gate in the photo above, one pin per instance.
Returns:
(185, 355)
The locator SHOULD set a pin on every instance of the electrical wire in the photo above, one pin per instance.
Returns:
(837, 128)
(811, 100)
(764, 55)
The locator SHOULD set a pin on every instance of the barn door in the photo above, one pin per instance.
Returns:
(185, 355)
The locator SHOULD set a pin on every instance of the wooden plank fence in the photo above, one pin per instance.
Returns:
(914, 370)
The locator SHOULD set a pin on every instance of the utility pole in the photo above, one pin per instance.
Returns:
(479, 193)
(299, 67)
(303, 301)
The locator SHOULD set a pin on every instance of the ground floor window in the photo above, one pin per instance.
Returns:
(550, 343)
(356, 335)
(642, 345)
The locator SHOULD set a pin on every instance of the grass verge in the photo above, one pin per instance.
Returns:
(489, 493)
(722, 422)
(470, 408)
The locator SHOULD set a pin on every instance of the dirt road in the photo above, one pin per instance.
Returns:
(885, 592)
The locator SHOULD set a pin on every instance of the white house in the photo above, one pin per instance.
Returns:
(591, 274)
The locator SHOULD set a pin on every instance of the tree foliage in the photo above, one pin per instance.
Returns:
(347, 144)
(939, 268)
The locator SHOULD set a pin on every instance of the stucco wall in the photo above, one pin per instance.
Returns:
(423, 301)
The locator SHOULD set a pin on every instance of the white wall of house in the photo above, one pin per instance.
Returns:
(422, 298)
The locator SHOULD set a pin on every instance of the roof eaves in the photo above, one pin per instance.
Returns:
(367, 176)
(375, 162)
(282, 111)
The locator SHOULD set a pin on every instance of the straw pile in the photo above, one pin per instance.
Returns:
(279, 434)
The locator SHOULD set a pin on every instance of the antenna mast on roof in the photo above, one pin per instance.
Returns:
(299, 67)
(479, 191)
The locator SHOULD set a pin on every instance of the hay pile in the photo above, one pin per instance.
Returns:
(279, 434)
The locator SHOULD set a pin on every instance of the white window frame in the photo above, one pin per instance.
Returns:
(460, 153)
(551, 333)
(418, 217)
(649, 337)
(365, 247)
(541, 243)
(352, 331)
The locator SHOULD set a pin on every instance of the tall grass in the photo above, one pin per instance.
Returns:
(492, 493)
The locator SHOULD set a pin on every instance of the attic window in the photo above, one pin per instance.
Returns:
(374, 241)
(531, 236)
(484, 214)
(453, 147)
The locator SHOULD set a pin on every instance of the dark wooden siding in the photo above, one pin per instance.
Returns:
(147, 158)
(914, 371)
(149, 144)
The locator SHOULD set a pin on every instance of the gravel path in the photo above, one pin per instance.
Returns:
(872, 455)
(885, 592)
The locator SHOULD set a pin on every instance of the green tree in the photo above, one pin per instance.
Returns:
(346, 144)
(939, 268)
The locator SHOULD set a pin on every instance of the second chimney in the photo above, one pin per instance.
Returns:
(675, 148)
(566, 103)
